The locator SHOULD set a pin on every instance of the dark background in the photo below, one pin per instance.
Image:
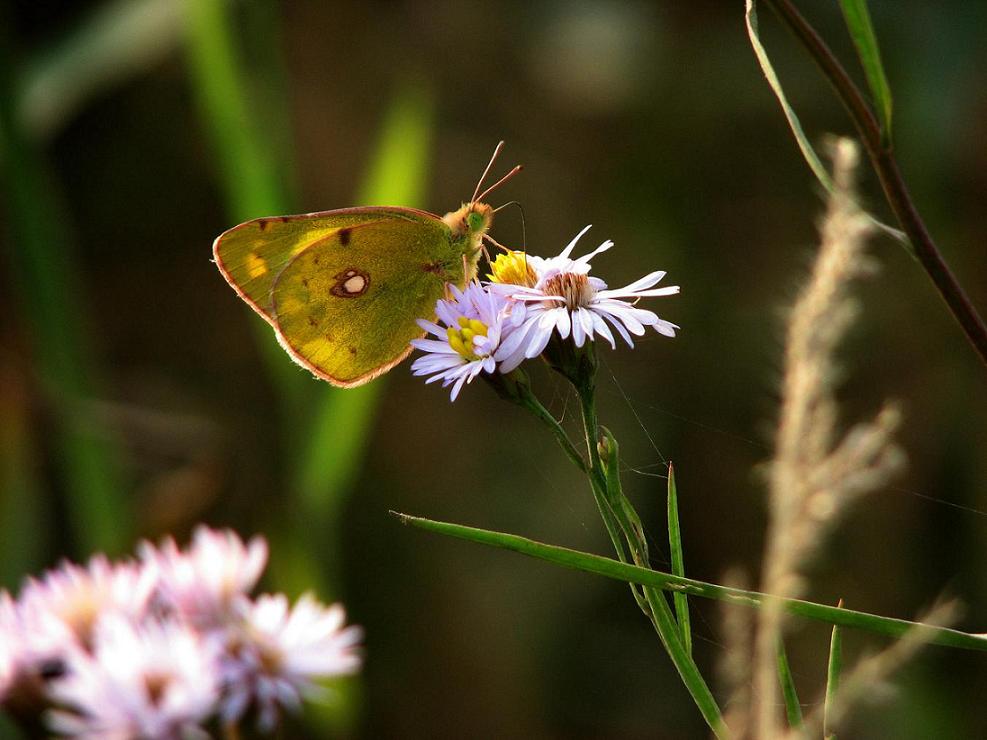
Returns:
(651, 121)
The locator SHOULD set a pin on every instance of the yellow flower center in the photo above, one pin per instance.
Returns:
(461, 339)
(512, 267)
(574, 288)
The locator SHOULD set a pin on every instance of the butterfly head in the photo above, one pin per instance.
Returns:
(472, 220)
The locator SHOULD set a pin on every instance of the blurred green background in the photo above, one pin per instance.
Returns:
(139, 395)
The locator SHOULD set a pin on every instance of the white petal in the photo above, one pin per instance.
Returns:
(601, 328)
(457, 387)
(539, 297)
(585, 259)
(432, 345)
(620, 328)
(586, 317)
(578, 332)
(623, 313)
(568, 250)
(517, 313)
(516, 338)
(538, 339)
(510, 362)
(431, 327)
(563, 323)
(666, 328)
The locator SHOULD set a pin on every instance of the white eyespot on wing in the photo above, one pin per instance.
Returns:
(350, 283)
(355, 284)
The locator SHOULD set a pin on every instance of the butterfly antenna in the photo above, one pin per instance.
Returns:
(486, 172)
(524, 235)
(501, 181)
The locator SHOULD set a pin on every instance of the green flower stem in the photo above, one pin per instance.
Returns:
(617, 527)
(516, 389)
(530, 402)
(616, 570)
(661, 613)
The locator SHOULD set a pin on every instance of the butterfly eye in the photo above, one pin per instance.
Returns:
(475, 221)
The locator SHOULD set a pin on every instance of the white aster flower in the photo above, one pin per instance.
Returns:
(203, 583)
(61, 608)
(280, 651)
(156, 680)
(34, 646)
(559, 295)
(473, 329)
(9, 639)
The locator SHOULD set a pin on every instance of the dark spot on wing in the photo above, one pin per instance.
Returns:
(317, 259)
(344, 236)
(350, 283)
(305, 282)
(433, 267)
(352, 350)
(312, 321)
(284, 219)
(262, 224)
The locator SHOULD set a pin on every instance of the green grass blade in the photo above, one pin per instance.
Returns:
(805, 146)
(335, 441)
(858, 21)
(49, 295)
(588, 563)
(23, 507)
(115, 42)
(793, 709)
(833, 670)
(399, 167)
(678, 559)
(808, 152)
(343, 419)
(248, 166)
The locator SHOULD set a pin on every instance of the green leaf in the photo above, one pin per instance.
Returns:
(811, 158)
(808, 152)
(44, 280)
(250, 170)
(793, 709)
(858, 21)
(113, 43)
(833, 676)
(627, 573)
(678, 559)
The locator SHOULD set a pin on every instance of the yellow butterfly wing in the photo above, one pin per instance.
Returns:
(251, 256)
(345, 307)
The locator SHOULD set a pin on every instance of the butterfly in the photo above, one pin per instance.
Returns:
(344, 289)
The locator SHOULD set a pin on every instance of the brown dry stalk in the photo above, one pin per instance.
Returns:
(734, 667)
(813, 475)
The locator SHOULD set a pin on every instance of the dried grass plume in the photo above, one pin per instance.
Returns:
(815, 473)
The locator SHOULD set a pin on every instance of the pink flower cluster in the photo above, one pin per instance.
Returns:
(165, 645)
